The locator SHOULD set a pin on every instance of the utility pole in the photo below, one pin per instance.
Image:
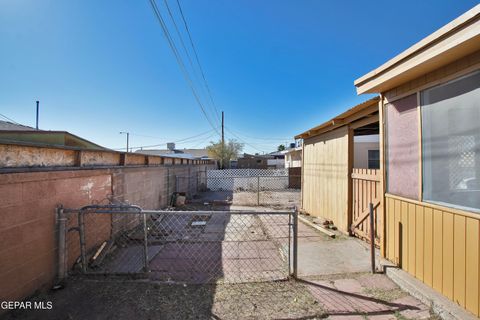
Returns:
(222, 165)
(128, 135)
(37, 114)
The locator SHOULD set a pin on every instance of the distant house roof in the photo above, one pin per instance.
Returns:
(6, 126)
(47, 138)
(253, 156)
(181, 153)
(456, 39)
(292, 150)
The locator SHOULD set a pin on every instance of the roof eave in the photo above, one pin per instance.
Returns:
(340, 120)
(456, 39)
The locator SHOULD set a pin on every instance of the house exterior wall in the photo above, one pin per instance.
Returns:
(28, 231)
(293, 159)
(403, 147)
(436, 244)
(252, 163)
(325, 176)
(360, 156)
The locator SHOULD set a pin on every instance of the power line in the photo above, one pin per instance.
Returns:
(258, 138)
(196, 57)
(179, 34)
(241, 140)
(196, 145)
(180, 61)
(9, 119)
(179, 141)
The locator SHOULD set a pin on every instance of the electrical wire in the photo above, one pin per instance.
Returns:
(243, 141)
(196, 58)
(258, 138)
(180, 62)
(205, 140)
(179, 141)
(9, 119)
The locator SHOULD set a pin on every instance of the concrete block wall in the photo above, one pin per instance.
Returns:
(28, 232)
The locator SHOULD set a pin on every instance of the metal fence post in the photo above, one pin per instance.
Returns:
(295, 243)
(258, 190)
(168, 186)
(372, 236)
(145, 243)
(81, 228)
(62, 246)
(289, 243)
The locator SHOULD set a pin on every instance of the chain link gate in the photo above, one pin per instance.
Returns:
(254, 187)
(186, 246)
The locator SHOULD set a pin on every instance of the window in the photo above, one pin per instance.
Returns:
(373, 159)
(451, 142)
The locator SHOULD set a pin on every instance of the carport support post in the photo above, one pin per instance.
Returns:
(145, 243)
(295, 242)
(372, 236)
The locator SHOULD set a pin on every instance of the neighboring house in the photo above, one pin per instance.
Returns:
(366, 152)
(10, 126)
(293, 157)
(277, 160)
(178, 153)
(250, 161)
(430, 158)
(16, 134)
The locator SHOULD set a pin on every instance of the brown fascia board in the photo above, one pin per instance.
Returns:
(458, 38)
(344, 118)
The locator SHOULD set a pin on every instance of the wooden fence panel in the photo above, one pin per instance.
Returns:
(366, 190)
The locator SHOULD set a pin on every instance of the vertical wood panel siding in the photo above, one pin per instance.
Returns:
(440, 247)
(325, 176)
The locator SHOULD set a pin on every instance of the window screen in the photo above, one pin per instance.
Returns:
(373, 159)
(451, 142)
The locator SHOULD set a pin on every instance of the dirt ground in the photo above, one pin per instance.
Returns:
(319, 293)
(116, 299)
(280, 199)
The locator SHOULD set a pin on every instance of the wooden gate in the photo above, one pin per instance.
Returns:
(366, 190)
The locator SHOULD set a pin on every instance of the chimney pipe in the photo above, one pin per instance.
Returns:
(37, 114)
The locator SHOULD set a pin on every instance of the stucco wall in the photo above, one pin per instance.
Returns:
(28, 233)
(402, 147)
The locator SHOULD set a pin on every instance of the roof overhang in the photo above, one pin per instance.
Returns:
(457, 39)
(364, 110)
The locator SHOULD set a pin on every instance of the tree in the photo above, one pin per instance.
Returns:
(224, 153)
(281, 147)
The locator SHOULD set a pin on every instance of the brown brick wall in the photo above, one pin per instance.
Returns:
(28, 235)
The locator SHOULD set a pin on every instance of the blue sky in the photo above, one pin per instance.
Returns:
(276, 67)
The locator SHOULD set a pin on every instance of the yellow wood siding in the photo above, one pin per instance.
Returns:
(325, 176)
(438, 246)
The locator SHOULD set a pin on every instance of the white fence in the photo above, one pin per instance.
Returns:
(247, 179)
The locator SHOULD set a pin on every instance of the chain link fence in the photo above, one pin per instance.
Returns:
(254, 187)
(195, 247)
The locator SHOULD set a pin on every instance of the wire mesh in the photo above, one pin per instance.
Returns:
(266, 187)
(186, 246)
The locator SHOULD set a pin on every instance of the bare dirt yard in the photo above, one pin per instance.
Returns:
(84, 298)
